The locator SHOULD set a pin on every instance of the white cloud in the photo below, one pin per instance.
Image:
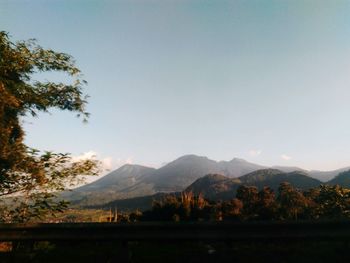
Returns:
(255, 152)
(85, 156)
(286, 157)
(108, 163)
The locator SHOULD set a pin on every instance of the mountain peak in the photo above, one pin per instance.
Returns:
(129, 166)
(127, 172)
(266, 171)
(191, 157)
(213, 177)
(288, 169)
(238, 160)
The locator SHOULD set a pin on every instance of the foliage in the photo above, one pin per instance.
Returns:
(187, 207)
(249, 197)
(292, 202)
(32, 197)
(29, 177)
(266, 205)
(232, 210)
(323, 202)
(333, 202)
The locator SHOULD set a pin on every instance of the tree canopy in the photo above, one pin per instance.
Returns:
(250, 204)
(26, 172)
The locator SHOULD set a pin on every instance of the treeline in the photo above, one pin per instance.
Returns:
(289, 203)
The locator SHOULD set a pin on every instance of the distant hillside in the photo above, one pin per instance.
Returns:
(288, 169)
(273, 178)
(219, 187)
(238, 167)
(177, 175)
(131, 181)
(216, 186)
(260, 176)
(126, 176)
(342, 179)
(125, 182)
(326, 176)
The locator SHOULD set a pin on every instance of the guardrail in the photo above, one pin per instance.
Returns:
(176, 231)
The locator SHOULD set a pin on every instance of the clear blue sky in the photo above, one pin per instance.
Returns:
(267, 81)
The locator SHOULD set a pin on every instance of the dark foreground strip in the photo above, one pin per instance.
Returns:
(176, 231)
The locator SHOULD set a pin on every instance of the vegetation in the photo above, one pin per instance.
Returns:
(72, 215)
(323, 202)
(29, 178)
(342, 179)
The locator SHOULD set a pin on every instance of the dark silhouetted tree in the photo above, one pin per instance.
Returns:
(231, 210)
(333, 202)
(266, 204)
(292, 202)
(249, 197)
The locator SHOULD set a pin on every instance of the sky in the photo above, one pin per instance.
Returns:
(266, 81)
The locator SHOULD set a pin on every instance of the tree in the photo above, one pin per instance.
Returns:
(333, 202)
(232, 209)
(292, 202)
(266, 205)
(29, 175)
(249, 197)
(312, 210)
(165, 210)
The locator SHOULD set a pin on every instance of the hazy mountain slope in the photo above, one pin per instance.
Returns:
(177, 175)
(221, 187)
(238, 167)
(342, 179)
(273, 178)
(289, 169)
(260, 176)
(126, 176)
(135, 180)
(125, 182)
(215, 186)
(326, 176)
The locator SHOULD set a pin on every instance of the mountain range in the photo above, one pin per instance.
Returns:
(131, 181)
(216, 187)
(219, 187)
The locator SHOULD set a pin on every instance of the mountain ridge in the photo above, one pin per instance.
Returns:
(216, 187)
(133, 180)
